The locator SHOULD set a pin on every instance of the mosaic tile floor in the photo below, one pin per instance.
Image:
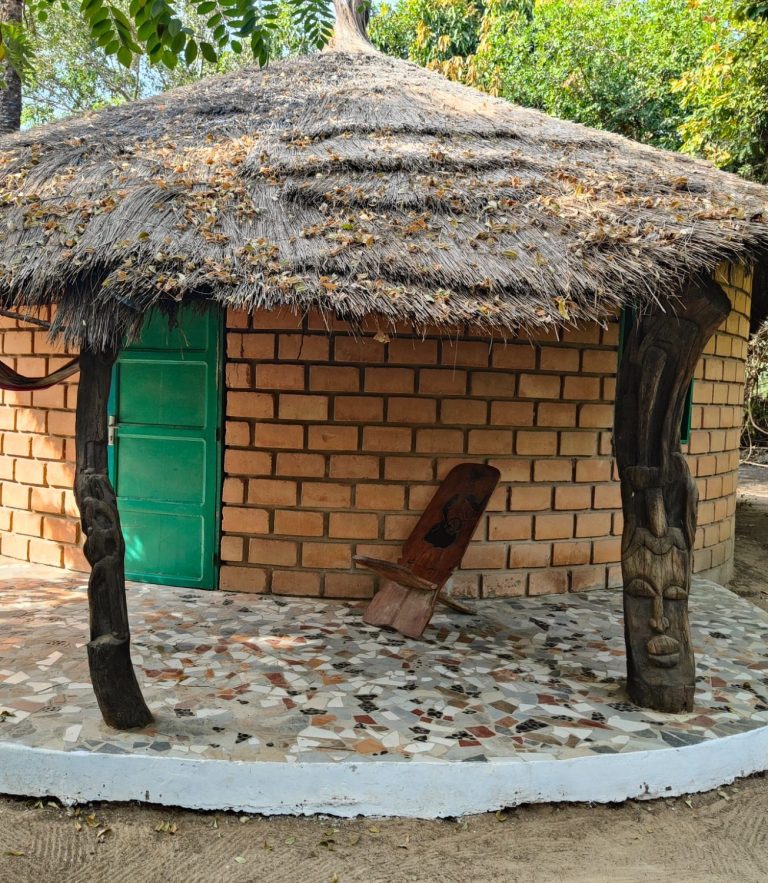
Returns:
(263, 678)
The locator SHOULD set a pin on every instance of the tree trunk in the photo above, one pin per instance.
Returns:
(659, 497)
(10, 96)
(109, 656)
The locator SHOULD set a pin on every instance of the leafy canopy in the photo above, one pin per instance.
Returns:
(161, 29)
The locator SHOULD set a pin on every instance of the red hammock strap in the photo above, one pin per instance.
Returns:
(10, 379)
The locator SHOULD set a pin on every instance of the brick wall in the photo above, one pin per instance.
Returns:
(335, 443)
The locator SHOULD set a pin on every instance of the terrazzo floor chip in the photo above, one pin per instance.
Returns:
(250, 678)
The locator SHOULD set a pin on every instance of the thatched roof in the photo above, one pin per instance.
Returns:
(358, 184)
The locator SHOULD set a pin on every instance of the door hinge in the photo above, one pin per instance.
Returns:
(111, 429)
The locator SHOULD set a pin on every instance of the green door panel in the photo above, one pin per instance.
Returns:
(165, 459)
(162, 393)
(162, 549)
(174, 469)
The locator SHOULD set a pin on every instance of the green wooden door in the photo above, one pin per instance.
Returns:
(165, 410)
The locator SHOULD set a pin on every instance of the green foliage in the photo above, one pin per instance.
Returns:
(161, 30)
(72, 74)
(678, 74)
(15, 49)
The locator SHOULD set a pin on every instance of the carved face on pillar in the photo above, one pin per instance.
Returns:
(656, 599)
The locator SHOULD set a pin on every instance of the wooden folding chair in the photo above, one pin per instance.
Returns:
(413, 586)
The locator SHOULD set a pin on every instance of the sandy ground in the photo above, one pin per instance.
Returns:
(718, 836)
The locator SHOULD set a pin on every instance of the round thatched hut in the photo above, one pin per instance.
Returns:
(400, 273)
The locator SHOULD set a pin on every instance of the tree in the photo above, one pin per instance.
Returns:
(160, 30)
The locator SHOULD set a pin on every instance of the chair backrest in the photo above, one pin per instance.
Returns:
(438, 542)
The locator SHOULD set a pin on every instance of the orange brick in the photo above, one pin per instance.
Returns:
(490, 441)
(233, 491)
(552, 470)
(560, 414)
(412, 351)
(296, 582)
(463, 411)
(541, 444)
(295, 522)
(553, 527)
(59, 422)
(45, 499)
(399, 527)
(585, 578)
(279, 376)
(608, 496)
(353, 525)
(578, 444)
(548, 582)
(504, 585)
(238, 375)
(304, 347)
(581, 388)
(47, 448)
(606, 551)
(443, 381)
(411, 410)
(237, 319)
(257, 346)
(279, 435)
(485, 556)
(571, 553)
(593, 470)
(326, 378)
(559, 358)
(29, 471)
(348, 585)
(280, 319)
(333, 438)
(465, 353)
(271, 492)
(232, 548)
(358, 349)
(354, 466)
(325, 495)
(268, 551)
(539, 386)
(27, 523)
(573, 497)
(380, 496)
(499, 384)
(516, 356)
(593, 524)
(359, 409)
(599, 361)
(237, 434)
(395, 380)
(60, 529)
(527, 499)
(54, 397)
(15, 546)
(309, 465)
(386, 438)
(240, 520)
(513, 470)
(408, 469)
(512, 414)
(596, 416)
(247, 463)
(303, 407)
(46, 552)
(446, 441)
(509, 527)
(243, 579)
(250, 404)
(327, 554)
(17, 342)
(529, 555)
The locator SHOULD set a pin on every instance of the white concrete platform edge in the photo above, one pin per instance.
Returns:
(413, 789)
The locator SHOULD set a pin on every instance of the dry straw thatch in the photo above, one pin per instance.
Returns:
(357, 184)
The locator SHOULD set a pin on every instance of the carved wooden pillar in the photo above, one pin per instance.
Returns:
(109, 655)
(659, 497)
